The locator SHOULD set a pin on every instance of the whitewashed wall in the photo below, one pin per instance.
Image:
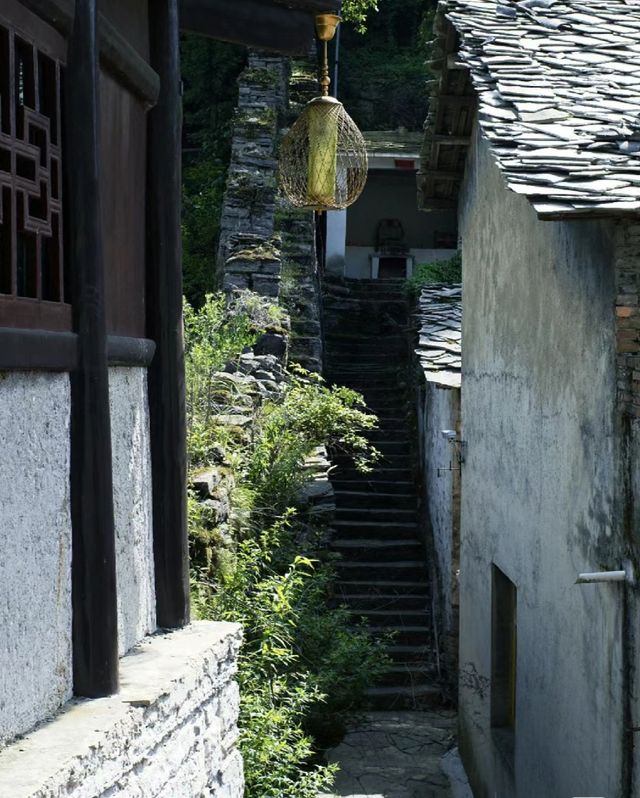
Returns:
(132, 504)
(35, 565)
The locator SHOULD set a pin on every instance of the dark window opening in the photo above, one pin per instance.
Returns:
(392, 268)
(32, 264)
(5, 243)
(5, 83)
(504, 657)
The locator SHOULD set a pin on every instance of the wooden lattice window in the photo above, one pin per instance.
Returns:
(32, 274)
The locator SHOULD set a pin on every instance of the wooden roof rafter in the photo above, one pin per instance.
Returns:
(285, 26)
(449, 123)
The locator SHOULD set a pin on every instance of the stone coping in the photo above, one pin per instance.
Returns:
(161, 665)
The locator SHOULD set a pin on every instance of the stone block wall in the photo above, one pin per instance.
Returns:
(266, 245)
(170, 731)
(247, 256)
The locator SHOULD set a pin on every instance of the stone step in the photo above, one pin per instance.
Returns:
(367, 500)
(361, 378)
(391, 447)
(376, 601)
(400, 654)
(385, 532)
(408, 674)
(391, 432)
(384, 463)
(372, 362)
(385, 474)
(396, 620)
(372, 571)
(376, 550)
(368, 483)
(383, 587)
(396, 698)
(403, 635)
(381, 515)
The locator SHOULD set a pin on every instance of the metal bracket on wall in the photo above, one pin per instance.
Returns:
(459, 447)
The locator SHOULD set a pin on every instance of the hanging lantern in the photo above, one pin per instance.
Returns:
(323, 157)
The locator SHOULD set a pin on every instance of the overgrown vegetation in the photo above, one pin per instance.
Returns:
(439, 271)
(302, 664)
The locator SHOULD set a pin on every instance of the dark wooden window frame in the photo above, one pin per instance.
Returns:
(32, 284)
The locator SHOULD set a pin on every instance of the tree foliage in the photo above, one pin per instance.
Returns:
(210, 71)
(383, 75)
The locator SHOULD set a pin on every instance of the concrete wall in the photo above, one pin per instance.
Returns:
(171, 732)
(439, 409)
(538, 492)
(392, 195)
(132, 504)
(35, 566)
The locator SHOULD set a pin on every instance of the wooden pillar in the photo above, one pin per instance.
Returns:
(95, 626)
(164, 321)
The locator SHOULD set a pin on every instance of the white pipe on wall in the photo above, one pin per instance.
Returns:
(626, 575)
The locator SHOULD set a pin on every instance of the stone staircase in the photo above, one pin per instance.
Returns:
(382, 571)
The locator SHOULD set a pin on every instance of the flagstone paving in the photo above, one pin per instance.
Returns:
(396, 755)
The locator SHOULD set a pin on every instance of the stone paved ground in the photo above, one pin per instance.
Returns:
(395, 755)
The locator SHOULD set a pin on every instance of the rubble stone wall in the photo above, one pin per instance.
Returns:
(170, 731)
(266, 245)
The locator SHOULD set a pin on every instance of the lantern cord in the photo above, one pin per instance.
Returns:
(325, 80)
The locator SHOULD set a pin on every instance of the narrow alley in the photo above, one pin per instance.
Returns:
(396, 751)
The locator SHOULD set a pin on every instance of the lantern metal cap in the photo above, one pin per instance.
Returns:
(326, 25)
(324, 100)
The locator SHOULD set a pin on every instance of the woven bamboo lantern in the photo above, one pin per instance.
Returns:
(323, 157)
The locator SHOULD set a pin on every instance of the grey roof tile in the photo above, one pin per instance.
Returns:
(558, 85)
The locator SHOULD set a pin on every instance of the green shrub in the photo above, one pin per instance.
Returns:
(302, 664)
(309, 415)
(215, 334)
(440, 271)
(301, 667)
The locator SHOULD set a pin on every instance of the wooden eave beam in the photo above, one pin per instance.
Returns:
(262, 24)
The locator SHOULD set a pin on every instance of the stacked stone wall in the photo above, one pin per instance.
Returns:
(266, 245)
(170, 731)
(247, 255)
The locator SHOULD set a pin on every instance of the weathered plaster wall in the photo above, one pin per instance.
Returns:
(170, 732)
(538, 491)
(35, 566)
(439, 409)
(392, 194)
(132, 501)
(358, 260)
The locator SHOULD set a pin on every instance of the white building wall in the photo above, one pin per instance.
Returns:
(132, 499)
(336, 241)
(35, 564)
(438, 410)
(358, 259)
(539, 488)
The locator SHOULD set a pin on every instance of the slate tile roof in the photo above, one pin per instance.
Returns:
(558, 85)
(440, 334)
(392, 141)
